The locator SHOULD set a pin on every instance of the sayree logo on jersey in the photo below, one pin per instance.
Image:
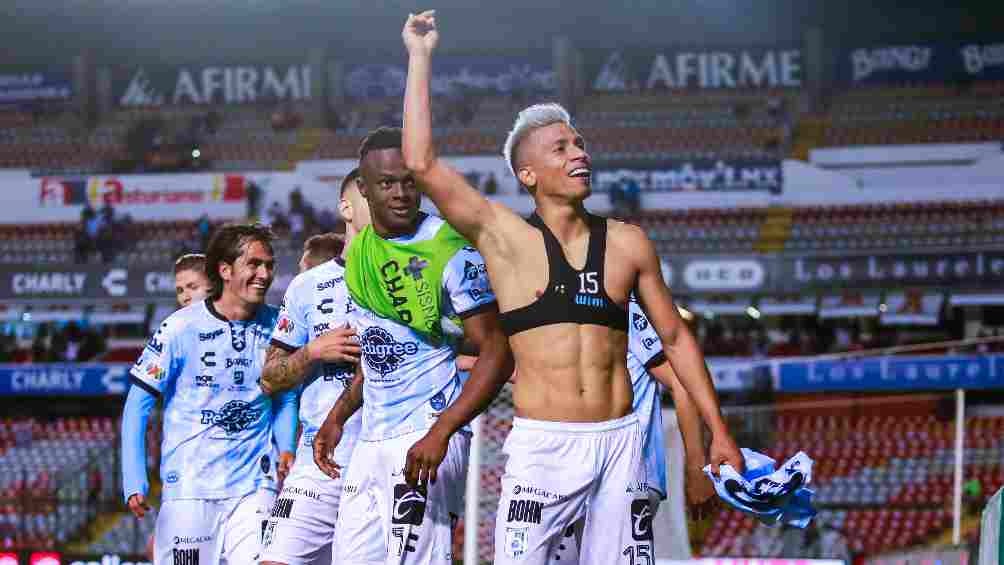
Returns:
(641, 520)
(210, 336)
(235, 416)
(409, 505)
(382, 352)
(330, 283)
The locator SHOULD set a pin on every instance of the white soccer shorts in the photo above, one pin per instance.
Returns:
(562, 472)
(211, 532)
(301, 529)
(383, 521)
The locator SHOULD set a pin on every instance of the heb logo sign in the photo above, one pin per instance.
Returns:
(209, 85)
(97, 191)
(742, 274)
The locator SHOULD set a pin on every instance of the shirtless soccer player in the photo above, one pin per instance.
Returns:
(416, 285)
(315, 354)
(562, 280)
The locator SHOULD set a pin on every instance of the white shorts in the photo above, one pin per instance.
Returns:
(211, 532)
(382, 521)
(301, 529)
(568, 547)
(562, 472)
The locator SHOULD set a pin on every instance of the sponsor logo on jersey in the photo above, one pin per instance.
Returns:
(210, 336)
(536, 492)
(208, 358)
(155, 345)
(172, 477)
(330, 283)
(409, 506)
(266, 463)
(527, 511)
(299, 491)
(648, 342)
(239, 362)
(325, 307)
(185, 556)
(204, 381)
(382, 352)
(321, 328)
(154, 371)
(472, 271)
(285, 325)
(235, 416)
(191, 540)
(639, 321)
(589, 300)
(641, 520)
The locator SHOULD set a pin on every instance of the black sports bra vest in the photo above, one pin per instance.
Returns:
(571, 296)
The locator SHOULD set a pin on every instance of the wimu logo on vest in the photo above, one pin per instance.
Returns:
(382, 352)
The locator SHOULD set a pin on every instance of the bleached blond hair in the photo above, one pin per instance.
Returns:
(531, 118)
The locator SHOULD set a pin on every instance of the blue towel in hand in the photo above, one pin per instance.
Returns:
(773, 496)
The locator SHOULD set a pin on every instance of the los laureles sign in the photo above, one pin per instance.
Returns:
(986, 267)
(210, 84)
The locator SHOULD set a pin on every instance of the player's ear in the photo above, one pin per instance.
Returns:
(527, 178)
(226, 271)
(345, 210)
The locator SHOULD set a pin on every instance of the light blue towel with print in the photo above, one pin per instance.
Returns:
(773, 495)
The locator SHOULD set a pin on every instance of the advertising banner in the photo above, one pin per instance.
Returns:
(30, 87)
(56, 283)
(936, 62)
(64, 379)
(182, 196)
(454, 75)
(166, 85)
(693, 175)
(973, 268)
(892, 373)
(672, 68)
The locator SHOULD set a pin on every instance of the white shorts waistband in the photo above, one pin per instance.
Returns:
(574, 427)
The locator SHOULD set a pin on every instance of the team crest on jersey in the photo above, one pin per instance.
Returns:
(235, 416)
(382, 352)
(285, 325)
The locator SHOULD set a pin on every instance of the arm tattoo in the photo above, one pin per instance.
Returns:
(284, 370)
(350, 400)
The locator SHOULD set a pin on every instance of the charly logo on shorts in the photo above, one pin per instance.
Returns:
(235, 416)
(409, 505)
(382, 352)
(641, 520)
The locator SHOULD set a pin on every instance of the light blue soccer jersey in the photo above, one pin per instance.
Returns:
(409, 381)
(217, 436)
(316, 302)
(644, 352)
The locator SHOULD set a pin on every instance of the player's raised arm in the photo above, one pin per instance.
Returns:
(462, 205)
(680, 346)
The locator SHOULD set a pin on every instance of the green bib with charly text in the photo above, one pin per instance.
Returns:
(402, 281)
